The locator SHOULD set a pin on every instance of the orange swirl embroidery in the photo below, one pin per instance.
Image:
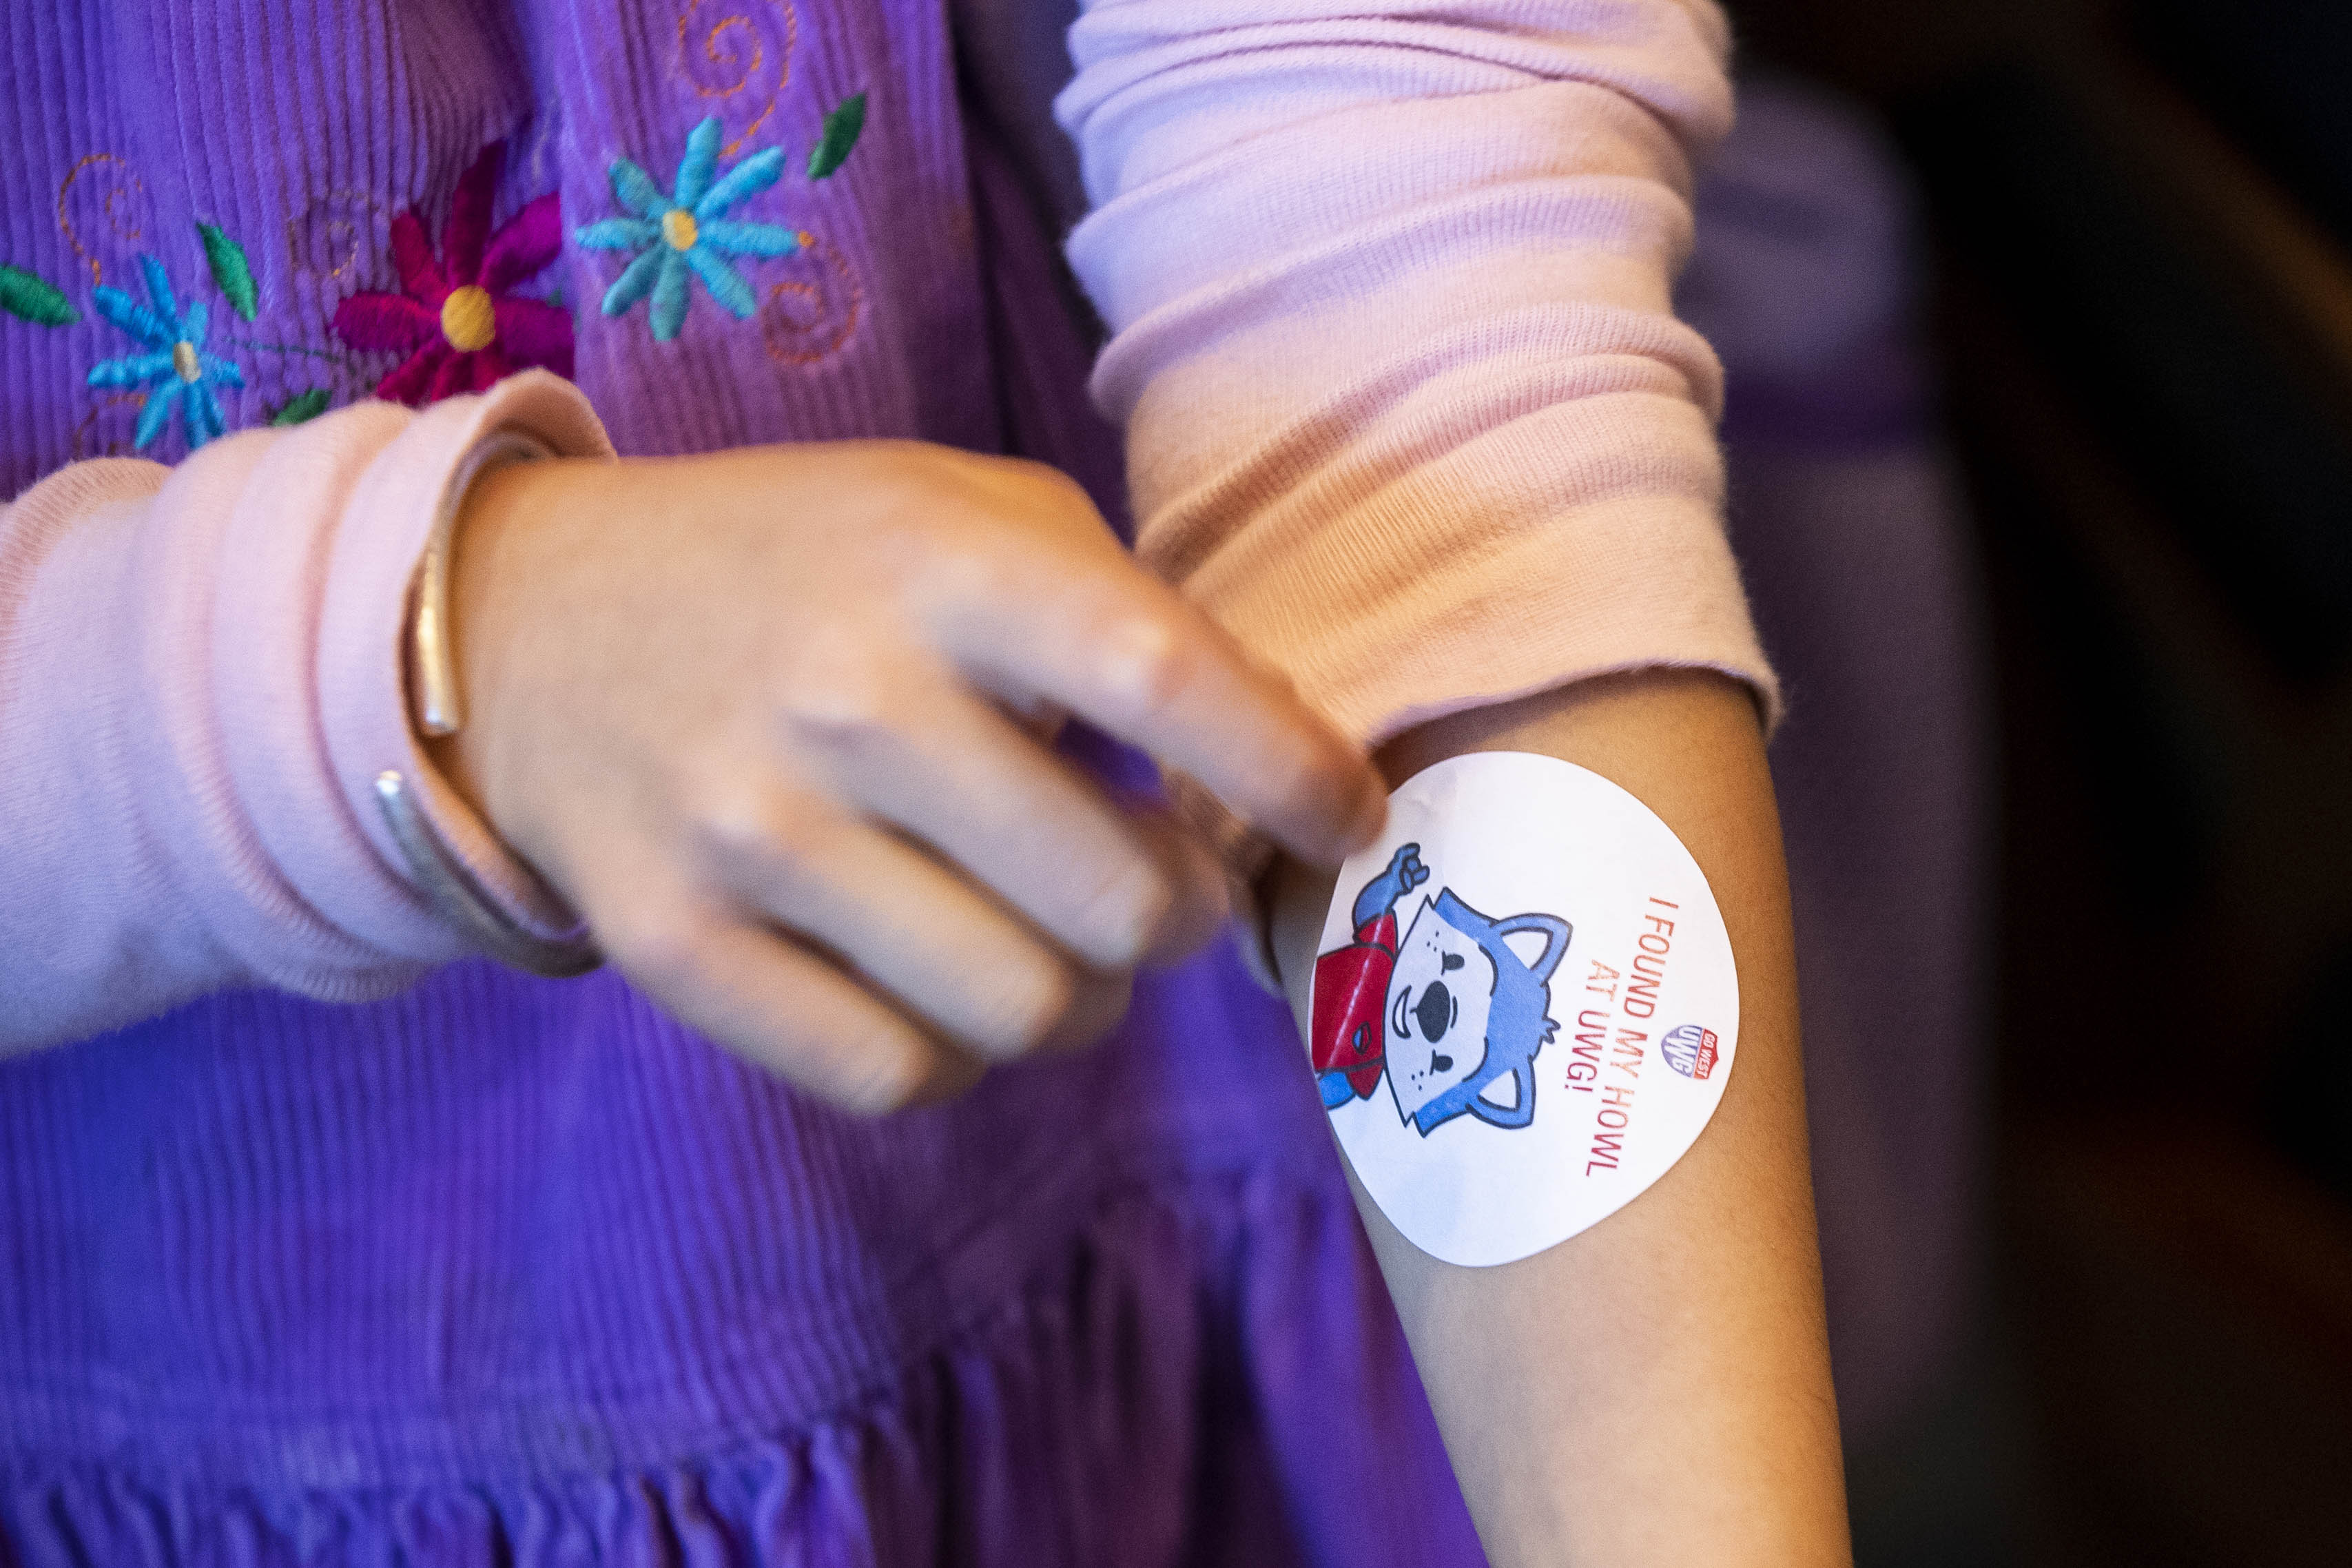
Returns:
(325, 238)
(738, 54)
(122, 205)
(797, 320)
(118, 444)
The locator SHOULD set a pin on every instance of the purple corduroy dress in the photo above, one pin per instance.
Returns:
(506, 1270)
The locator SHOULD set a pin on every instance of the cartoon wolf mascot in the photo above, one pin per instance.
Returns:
(1453, 1014)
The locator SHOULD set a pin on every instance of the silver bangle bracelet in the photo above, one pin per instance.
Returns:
(436, 710)
(459, 897)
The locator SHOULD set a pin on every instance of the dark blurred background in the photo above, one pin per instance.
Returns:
(2134, 256)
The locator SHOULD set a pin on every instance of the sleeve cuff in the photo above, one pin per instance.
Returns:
(410, 488)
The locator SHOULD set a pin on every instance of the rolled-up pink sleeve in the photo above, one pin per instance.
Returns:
(200, 680)
(1407, 407)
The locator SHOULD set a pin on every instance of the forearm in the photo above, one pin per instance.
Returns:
(1655, 1389)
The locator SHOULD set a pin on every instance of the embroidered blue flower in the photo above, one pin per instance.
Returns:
(690, 232)
(176, 370)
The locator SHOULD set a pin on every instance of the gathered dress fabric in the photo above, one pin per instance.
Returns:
(322, 1242)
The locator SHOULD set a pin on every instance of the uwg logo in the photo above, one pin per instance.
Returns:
(1690, 1050)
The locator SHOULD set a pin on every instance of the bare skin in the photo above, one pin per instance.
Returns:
(1655, 1390)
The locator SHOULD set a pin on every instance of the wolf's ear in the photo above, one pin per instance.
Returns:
(1555, 932)
(1529, 947)
(1519, 1111)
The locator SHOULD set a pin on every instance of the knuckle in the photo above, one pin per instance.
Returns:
(851, 715)
(782, 829)
(966, 569)
(1024, 482)
(1050, 490)
(725, 815)
(777, 838)
(1145, 665)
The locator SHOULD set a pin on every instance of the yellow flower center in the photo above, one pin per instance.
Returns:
(678, 228)
(467, 319)
(184, 361)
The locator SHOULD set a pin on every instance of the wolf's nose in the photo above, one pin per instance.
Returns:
(1435, 1011)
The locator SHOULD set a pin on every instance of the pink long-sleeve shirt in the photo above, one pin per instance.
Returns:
(1405, 403)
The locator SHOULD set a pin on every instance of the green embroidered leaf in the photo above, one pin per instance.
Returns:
(841, 129)
(36, 300)
(301, 406)
(229, 269)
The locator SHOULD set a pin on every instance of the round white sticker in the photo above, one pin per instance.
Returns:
(1524, 1006)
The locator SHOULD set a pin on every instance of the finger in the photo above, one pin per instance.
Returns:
(789, 1010)
(956, 773)
(917, 930)
(1123, 652)
(1134, 784)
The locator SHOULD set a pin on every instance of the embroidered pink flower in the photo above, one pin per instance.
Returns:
(454, 318)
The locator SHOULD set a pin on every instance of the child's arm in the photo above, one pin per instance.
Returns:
(199, 684)
(1656, 1389)
(755, 715)
(1407, 407)
(1409, 411)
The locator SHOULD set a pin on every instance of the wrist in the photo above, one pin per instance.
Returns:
(459, 848)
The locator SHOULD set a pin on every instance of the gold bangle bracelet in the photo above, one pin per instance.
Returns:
(437, 708)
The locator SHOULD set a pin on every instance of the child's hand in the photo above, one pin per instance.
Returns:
(772, 720)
